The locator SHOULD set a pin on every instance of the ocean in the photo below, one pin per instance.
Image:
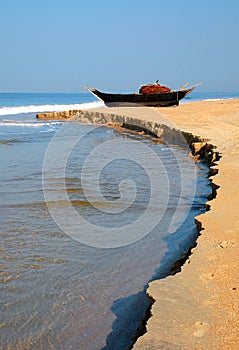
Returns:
(89, 216)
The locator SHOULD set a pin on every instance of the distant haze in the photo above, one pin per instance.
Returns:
(58, 46)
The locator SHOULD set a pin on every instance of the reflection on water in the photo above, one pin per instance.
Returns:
(57, 293)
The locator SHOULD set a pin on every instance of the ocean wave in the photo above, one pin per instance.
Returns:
(48, 108)
(28, 124)
(220, 99)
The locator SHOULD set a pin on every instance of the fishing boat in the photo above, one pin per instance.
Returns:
(148, 98)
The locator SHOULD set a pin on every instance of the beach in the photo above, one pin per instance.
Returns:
(119, 184)
(198, 307)
(55, 288)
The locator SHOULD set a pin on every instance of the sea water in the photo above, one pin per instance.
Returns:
(66, 291)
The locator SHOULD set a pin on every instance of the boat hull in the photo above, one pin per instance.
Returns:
(152, 100)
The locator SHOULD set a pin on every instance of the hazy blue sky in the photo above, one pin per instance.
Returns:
(59, 45)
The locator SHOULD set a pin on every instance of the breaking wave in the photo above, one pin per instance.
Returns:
(28, 124)
(48, 108)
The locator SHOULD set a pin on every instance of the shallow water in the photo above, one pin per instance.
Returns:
(63, 293)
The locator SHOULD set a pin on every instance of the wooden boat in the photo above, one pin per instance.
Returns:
(164, 99)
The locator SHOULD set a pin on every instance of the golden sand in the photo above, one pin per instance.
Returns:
(199, 307)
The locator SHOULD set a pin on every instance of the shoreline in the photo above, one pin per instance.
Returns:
(196, 308)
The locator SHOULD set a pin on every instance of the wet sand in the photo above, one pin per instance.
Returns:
(198, 307)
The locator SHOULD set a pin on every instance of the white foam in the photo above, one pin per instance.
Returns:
(213, 99)
(48, 108)
(27, 124)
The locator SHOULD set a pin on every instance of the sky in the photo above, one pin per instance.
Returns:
(61, 45)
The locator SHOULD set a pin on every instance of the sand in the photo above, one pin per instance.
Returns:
(198, 308)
